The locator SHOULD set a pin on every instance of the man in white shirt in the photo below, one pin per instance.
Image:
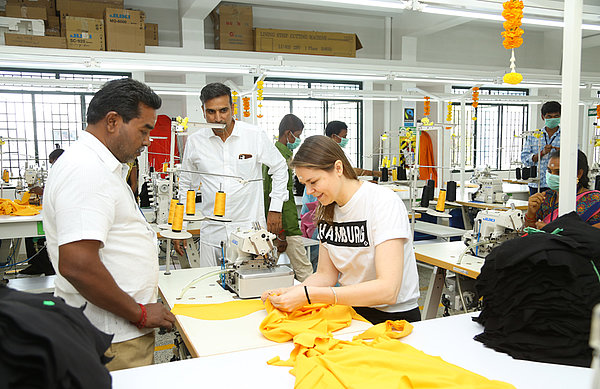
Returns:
(103, 250)
(230, 160)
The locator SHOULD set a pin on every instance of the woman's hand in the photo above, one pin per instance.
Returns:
(540, 224)
(534, 204)
(288, 299)
(272, 292)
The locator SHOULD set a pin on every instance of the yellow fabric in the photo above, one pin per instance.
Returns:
(320, 361)
(18, 208)
(224, 311)
(281, 326)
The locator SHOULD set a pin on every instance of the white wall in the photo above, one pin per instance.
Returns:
(165, 13)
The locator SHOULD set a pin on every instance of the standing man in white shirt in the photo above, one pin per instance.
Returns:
(230, 160)
(103, 250)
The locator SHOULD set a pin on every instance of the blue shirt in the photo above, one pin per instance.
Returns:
(533, 146)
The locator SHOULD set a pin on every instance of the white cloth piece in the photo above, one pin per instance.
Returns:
(372, 216)
(242, 155)
(86, 198)
(296, 254)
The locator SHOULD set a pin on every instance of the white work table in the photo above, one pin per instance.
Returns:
(211, 337)
(20, 226)
(450, 338)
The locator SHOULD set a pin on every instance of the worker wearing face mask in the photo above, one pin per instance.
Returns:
(543, 207)
(543, 146)
(289, 239)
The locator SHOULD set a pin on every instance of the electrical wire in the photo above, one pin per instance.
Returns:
(202, 277)
(10, 258)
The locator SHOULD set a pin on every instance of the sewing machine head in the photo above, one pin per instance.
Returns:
(250, 244)
(492, 227)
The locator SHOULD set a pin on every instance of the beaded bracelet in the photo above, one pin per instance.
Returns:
(306, 293)
(144, 317)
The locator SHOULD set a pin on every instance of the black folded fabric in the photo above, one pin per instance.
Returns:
(44, 343)
(538, 293)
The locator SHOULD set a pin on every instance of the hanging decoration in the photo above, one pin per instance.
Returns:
(259, 96)
(449, 114)
(513, 13)
(426, 107)
(598, 111)
(246, 106)
(234, 98)
(475, 101)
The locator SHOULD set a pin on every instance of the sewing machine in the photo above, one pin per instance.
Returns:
(492, 227)
(490, 187)
(158, 196)
(253, 267)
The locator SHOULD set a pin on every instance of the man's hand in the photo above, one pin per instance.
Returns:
(159, 316)
(37, 190)
(547, 149)
(177, 245)
(281, 244)
(274, 224)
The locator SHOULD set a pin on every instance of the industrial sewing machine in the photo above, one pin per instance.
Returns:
(253, 267)
(158, 197)
(490, 187)
(492, 227)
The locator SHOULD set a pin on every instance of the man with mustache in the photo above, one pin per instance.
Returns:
(103, 250)
(233, 158)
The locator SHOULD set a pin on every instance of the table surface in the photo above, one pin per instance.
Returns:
(446, 254)
(211, 337)
(450, 338)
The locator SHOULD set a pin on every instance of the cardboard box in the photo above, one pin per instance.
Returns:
(64, 4)
(53, 26)
(151, 34)
(84, 33)
(83, 9)
(35, 41)
(125, 30)
(307, 42)
(33, 3)
(25, 12)
(233, 27)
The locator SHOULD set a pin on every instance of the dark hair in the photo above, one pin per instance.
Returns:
(122, 96)
(214, 90)
(53, 156)
(582, 164)
(335, 127)
(321, 152)
(550, 107)
(290, 122)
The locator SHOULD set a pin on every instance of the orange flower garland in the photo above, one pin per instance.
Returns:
(246, 104)
(513, 13)
(234, 98)
(475, 100)
(449, 115)
(259, 96)
(598, 111)
(426, 106)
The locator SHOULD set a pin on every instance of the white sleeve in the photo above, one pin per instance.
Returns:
(390, 218)
(84, 210)
(278, 168)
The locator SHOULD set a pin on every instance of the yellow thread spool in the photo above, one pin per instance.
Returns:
(190, 207)
(394, 162)
(219, 203)
(178, 218)
(165, 166)
(172, 208)
(394, 175)
(5, 175)
(441, 203)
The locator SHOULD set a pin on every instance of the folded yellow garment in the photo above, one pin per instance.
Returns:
(281, 326)
(223, 311)
(320, 361)
(14, 208)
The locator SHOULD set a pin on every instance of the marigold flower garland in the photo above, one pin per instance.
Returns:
(259, 96)
(449, 114)
(513, 13)
(234, 98)
(475, 100)
(246, 104)
(426, 106)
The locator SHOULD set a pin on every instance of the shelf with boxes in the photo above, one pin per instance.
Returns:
(76, 24)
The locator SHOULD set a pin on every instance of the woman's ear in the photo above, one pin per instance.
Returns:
(339, 168)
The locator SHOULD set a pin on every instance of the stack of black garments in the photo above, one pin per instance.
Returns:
(45, 343)
(539, 291)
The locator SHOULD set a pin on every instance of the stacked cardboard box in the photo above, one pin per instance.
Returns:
(151, 34)
(125, 30)
(233, 27)
(84, 33)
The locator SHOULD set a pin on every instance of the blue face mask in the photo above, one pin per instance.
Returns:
(552, 180)
(295, 144)
(343, 142)
(552, 123)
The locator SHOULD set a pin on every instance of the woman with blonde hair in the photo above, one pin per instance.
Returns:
(365, 241)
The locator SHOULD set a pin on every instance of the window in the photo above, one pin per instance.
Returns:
(40, 119)
(315, 113)
(492, 138)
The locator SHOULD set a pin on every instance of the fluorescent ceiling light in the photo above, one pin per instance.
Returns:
(349, 97)
(441, 81)
(498, 17)
(171, 67)
(325, 76)
(372, 3)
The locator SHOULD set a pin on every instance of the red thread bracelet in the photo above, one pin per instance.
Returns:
(143, 318)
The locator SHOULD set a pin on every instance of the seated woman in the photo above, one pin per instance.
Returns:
(366, 242)
(543, 207)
